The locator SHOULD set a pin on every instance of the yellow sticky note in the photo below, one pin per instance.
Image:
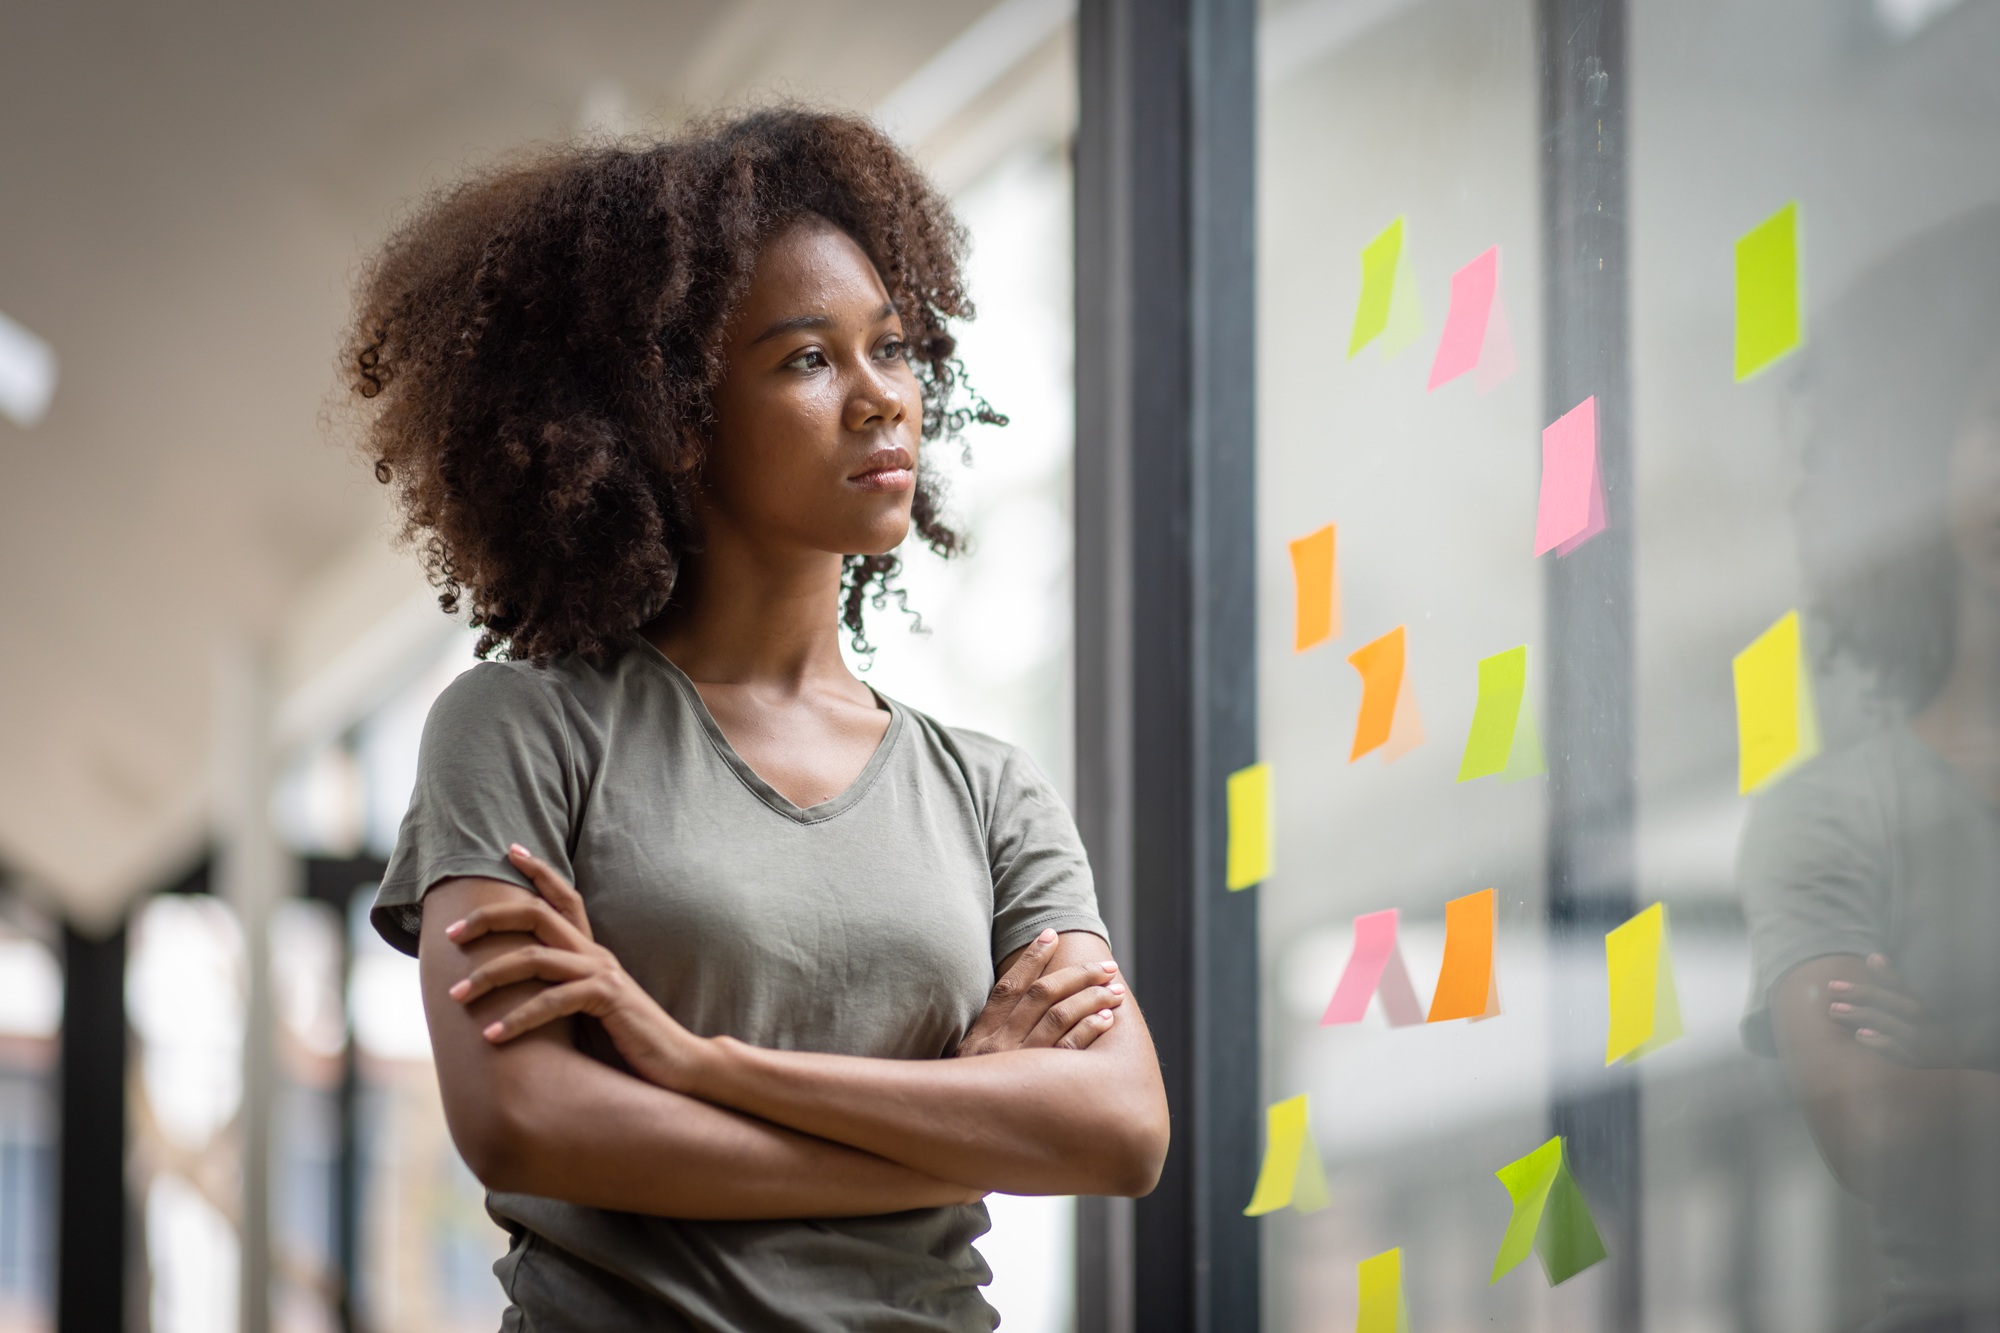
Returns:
(1768, 324)
(1388, 306)
(1777, 727)
(1250, 826)
(1316, 593)
(1382, 1307)
(1503, 739)
(1292, 1176)
(1645, 1006)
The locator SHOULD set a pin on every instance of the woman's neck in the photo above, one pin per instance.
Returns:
(1962, 723)
(753, 613)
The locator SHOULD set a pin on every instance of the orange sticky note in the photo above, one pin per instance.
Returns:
(1389, 720)
(1316, 616)
(1467, 987)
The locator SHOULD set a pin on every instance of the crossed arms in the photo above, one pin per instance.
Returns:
(714, 1128)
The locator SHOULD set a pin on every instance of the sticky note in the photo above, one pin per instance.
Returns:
(1389, 720)
(1388, 307)
(1467, 986)
(1550, 1217)
(1250, 826)
(1465, 323)
(1503, 739)
(1777, 727)
(1291, 1176)
(1315, 594)
(1374, 967)
(1645, 1006)
(1382, 1306)
(1569, 480)
(1496, 354)
(1767, 291)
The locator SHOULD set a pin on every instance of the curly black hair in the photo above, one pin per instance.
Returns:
(1893, 366)
(538, 347)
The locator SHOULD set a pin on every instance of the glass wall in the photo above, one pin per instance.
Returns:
(1800, 1164)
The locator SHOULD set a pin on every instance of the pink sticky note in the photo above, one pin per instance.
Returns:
(1496, 354)
(1595, 523)
(1472, 290)
(1374, 967)
(1569, 469)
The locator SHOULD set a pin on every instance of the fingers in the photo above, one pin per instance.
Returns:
(525, 916)
(1008, 990)
(559, 892)
(1051, 989)
(556, 1002)
(1080, 1037)
(1062, 1018)
(529, 963)
(1862, 994)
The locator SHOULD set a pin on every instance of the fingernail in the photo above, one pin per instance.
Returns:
(1115, 988)
(1104, 1015)
(1876, 960)
(456, 926)
(459, 988)
(1840, 985)
(516, 849)
(1843, 1008)
(1110, 966)
(1045, 937)
(493, 1030)
(1867, 1032)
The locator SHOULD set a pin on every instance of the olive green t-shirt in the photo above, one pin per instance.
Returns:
(867, 925)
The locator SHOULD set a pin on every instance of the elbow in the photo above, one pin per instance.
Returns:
(493, 1131)
(1140, 1154)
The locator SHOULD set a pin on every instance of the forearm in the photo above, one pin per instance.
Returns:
(1023, 1122)
(582, 1132)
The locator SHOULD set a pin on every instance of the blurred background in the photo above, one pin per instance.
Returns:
(218, 663)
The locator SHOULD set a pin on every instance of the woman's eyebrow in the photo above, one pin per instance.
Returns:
(801, 322)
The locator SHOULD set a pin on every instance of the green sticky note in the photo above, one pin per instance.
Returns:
(1489, 747)
(1767, 292)
(1551, 1217)
(1406, 313)
(1381, 260)
(1524, 756)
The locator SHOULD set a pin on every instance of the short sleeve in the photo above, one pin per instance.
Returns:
(1041, 877)
(1814, 872)
(494, 768)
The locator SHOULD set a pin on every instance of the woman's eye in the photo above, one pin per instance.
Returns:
(810, 359)
(893, 350)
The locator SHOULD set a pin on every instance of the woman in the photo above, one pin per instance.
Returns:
(1872, 877)
(657, 415)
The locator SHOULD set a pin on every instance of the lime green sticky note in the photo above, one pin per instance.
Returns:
(1292, 1175)
(1645, 1005)
(1383, 1309)
(1250, 830)
(1551, 1217)
(1380, 260)
(1524, 756)
(1406, 313)
(1767, 291)
(1489, 747)
(1777, 726)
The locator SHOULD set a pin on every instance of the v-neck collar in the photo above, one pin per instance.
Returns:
(764, 791)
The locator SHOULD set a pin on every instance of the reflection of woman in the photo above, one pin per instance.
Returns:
(1872, 877)
(657, 415)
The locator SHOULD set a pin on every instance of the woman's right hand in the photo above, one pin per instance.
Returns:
(1032, 1006)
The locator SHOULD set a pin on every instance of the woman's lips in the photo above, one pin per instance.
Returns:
(890, 470)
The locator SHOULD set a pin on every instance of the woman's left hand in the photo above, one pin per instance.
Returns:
(1888, 1018)
(584, 976)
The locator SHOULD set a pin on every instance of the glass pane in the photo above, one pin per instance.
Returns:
(1814, 227)
(1428, 115)
(1852, 480)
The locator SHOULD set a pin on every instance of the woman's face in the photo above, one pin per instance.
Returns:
(1975, 487)
(819, 416)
